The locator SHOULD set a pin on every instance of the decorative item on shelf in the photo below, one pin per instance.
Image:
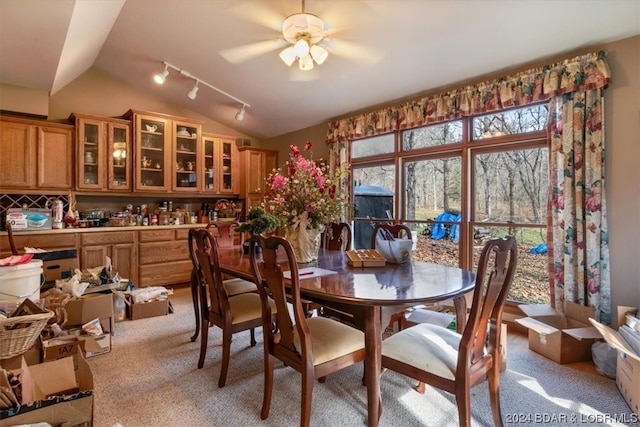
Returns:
(71, 216)
(151, 128)
(225, 209)
(305, 198)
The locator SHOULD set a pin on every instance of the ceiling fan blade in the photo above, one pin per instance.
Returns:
(259, 12)
(240, 54)
(353, 51)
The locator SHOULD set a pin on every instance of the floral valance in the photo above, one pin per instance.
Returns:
(588, 71)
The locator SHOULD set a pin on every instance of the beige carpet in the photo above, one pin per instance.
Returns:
(151, 379)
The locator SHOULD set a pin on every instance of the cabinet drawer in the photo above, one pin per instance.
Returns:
(44, 241)
(159, 252)
(108, 238)
(183, 234)
(165, 274)
(156, 235)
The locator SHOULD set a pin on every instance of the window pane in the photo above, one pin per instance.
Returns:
(381, 144)
(432, 187)
(512, 186)
(373, 197)
(430, 136)
(444, 251)
(531, 281)
(511, 122)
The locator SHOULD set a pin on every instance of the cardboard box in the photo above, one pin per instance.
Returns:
(148, 309)
(32, 356)
(58, 392)
(89, 307)
(563, 338)
(58, 264)
(77, 342)
(627, 365)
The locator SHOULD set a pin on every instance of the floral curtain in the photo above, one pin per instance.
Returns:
(574, 87)
(580, 250)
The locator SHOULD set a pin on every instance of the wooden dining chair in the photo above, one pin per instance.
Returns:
(12, 243)
(337, 236)
(233, 286)
(455, 362)
(231, 314)
(315, 346)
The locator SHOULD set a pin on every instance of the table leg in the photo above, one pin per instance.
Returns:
(196, 305)
(373, 364)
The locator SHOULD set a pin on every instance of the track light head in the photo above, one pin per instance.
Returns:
(161, 77)
(240, 115)
(194, 91)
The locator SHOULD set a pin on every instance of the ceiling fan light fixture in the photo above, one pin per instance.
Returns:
(288, 55)
(306, 63)
(194, 91)
(318, 53)
(301, 48)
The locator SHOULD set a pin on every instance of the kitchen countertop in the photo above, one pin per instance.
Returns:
(103, 229)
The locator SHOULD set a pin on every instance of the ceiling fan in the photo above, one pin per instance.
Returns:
(304, 38)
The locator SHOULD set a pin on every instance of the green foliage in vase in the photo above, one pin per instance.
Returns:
(259, 221)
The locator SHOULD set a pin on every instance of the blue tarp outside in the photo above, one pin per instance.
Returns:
(438, 231)
(540, 249)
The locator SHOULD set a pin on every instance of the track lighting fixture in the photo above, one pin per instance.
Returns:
(240, 115)
(193, 93)
(161, 77)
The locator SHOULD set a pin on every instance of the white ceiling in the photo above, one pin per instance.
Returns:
(381, 50)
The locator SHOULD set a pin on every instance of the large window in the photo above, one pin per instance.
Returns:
(458, 183)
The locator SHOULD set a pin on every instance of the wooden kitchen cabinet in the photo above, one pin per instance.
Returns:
(220, 168)
(164, 257)
(260, 163)
(35, 154)
(165, 148)
(50, 242)
(104, 157)
(120, 246)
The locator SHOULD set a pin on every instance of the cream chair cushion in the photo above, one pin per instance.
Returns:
(246, 307)
(330, 339)
(427, 347)
(238, 286)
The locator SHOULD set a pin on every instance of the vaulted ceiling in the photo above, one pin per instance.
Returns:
(379, 50)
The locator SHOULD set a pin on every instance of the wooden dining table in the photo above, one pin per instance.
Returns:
(362, 292)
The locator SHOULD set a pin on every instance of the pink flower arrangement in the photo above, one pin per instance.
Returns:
(305, 187)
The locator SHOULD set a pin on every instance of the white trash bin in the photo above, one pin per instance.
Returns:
(22, 281)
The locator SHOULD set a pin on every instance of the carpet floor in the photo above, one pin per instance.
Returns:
(150, 378)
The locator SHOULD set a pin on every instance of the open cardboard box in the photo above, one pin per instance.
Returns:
(627, 364)
(78, 341)
(563, 338)
(89, 307)
(59, 392)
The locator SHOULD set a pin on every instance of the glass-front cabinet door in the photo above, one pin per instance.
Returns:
(153, 153)
(90, 135)
(209, 170)
(228, 156)
(186, 155)
(119, 156)
(220, 165)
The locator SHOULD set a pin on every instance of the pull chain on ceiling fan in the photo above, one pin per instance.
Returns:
(304, 31)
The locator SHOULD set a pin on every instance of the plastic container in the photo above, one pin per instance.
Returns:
(119, 309)
(19, 282)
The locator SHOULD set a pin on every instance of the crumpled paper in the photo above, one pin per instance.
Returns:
(149, 293)
(73, 285)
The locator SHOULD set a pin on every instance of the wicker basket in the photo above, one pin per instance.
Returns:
(18, 334)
